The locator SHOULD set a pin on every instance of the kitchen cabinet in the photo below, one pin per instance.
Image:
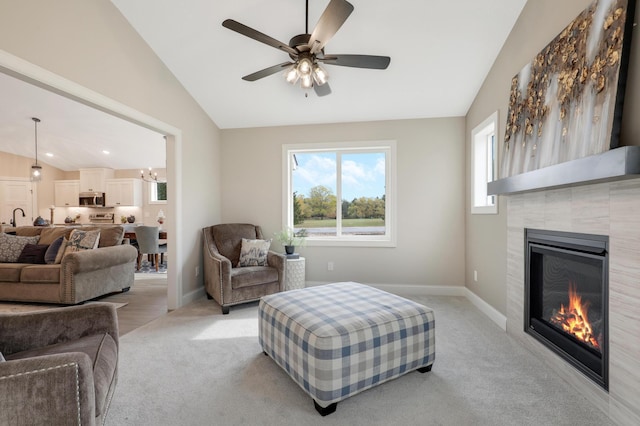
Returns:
(123, 192)
(66, 193)
(95, 180)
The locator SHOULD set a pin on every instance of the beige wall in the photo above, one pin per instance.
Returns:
(486, 238)
(17, 166)
(430, 182)
(90, 43)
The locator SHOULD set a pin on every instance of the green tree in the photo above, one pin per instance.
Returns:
(367, 208)
(345, 209)
(321, 202)
(298, 216)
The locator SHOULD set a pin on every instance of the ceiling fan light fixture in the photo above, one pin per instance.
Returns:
(320, 75)
(291, 75)
(306, 82)
(304, 67)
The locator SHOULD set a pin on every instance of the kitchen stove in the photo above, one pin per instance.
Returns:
(101, 218)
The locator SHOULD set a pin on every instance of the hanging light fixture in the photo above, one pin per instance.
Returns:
(36, 169)
(307, 71)
(153, 177)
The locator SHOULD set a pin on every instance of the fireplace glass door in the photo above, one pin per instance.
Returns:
(566, 300)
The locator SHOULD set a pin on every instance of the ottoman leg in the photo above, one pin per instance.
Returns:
(425, 369)
(326, 410)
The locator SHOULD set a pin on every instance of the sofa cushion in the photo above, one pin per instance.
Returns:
(29, 231)
(40, 274)
(10, 272)
(102, 350)
(12, 245)
(253, 252)
(49, 235)
(82, 240)
(111, 236)
(52, 251)
(33, 253)
(252, 275)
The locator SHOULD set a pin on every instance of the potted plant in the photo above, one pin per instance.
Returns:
(290, 239)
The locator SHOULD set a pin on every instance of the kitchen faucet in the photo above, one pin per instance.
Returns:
(13, 221)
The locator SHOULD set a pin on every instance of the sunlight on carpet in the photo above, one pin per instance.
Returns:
(229, 329)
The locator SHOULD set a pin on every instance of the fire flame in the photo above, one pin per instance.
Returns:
(573, 319)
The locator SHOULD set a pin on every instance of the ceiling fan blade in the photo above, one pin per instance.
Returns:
(266, 72)
(329, 23)
(357, 61)
(323, 90)
(258, 36)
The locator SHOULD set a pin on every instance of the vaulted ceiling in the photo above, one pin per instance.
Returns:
(440, 51)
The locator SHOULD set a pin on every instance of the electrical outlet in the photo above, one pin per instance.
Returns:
(330, 266)
(475, 275)
(197, 271)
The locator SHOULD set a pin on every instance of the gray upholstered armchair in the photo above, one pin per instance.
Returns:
(61, 365)
(229, 284)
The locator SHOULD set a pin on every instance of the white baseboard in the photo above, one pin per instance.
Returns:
(406, 290)
(487, 309)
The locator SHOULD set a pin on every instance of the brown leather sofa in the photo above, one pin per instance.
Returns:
(60, 365)
(229, 284)
(80, 276)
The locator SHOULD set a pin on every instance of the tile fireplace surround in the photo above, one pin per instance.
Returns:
(608, 209)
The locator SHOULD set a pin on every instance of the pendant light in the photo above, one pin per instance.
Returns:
(36, 169)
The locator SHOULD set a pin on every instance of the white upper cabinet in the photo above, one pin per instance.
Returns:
(123, 192)
(66, 193)
(95, 180)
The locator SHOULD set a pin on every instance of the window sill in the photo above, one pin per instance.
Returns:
(351, 242)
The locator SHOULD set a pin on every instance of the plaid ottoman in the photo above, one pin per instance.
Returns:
(340, 339)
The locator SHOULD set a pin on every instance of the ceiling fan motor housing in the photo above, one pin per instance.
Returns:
(300, 43)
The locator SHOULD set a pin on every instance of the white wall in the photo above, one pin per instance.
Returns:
(91, 44)
(430, 182)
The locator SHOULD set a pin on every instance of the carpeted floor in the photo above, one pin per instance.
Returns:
(195, 366)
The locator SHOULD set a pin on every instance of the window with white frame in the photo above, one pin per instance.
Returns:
(484, 160)
(341, 193)
(158, 192)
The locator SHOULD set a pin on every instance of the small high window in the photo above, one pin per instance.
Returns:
(158, 192)
(484, 159)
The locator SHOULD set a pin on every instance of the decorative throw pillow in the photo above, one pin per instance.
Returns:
(52, 251)
(254, 252)
(82, 240)
(33, 253)
(11, 246)
(60, 253)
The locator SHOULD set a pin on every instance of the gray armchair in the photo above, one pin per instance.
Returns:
(231, 285)
(61, 365)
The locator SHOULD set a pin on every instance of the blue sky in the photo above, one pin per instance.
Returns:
(362, 174)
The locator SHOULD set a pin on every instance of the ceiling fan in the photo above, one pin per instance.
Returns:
(307, 50)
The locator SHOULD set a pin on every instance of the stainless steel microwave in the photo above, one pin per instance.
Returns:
(91, 199)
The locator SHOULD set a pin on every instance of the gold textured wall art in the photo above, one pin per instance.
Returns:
(567, 102)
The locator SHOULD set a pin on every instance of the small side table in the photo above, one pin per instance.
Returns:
(294, 274)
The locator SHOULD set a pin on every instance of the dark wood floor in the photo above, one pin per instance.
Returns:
(146, 301)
